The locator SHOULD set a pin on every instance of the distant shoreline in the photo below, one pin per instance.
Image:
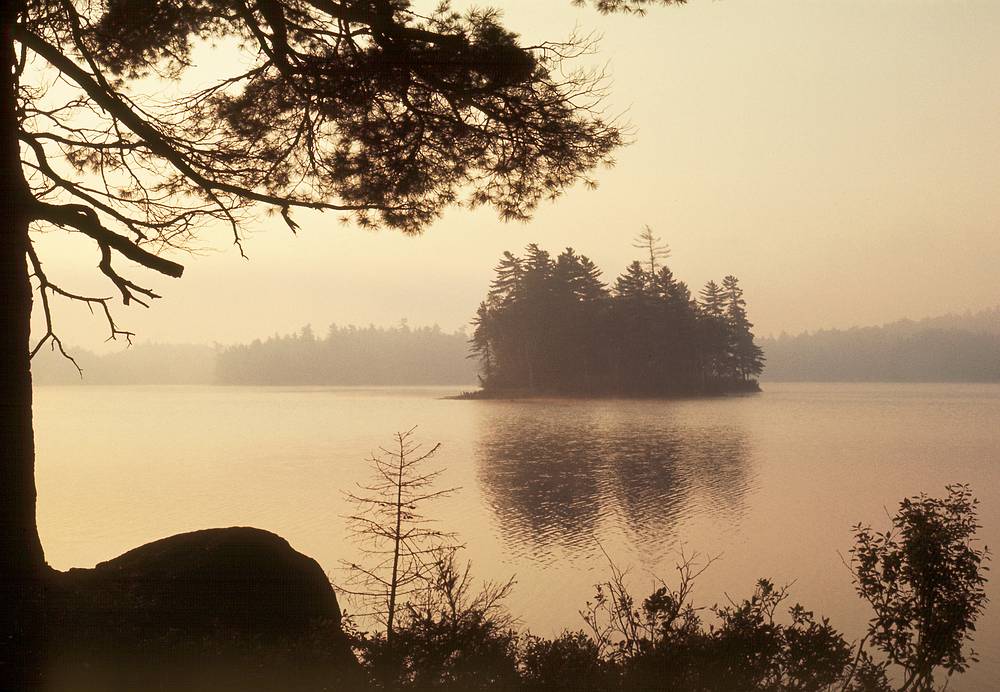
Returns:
(482, 395)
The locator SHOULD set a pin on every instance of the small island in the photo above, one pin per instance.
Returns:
(552, 327)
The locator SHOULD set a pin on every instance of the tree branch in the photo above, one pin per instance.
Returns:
(85, 220)
(157, 141)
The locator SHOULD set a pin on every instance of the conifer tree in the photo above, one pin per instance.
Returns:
(712, 301)
(540, 309)
(506, 304)
(482, 345)
(677, 318)
(508, 284)
(654, 247)
(746, 357)
(399, 542)
(590, 287)
(579, 301)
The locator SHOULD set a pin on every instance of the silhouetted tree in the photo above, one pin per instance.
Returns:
(680, 350)
(508, 285)
(633, 346)
(482, 344)
(580, 303)
(400, 543)
(502, 348)
(363, 107)
(654, 246)
(712, 300)
(537, 309)
(746, 358)
(713, 331)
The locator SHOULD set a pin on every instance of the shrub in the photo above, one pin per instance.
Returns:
(925, 579)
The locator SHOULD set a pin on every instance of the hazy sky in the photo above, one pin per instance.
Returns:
(841, 157)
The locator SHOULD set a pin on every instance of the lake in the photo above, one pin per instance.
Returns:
(770, 483)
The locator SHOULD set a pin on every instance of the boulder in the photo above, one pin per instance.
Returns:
(239, 579)
(235, 608)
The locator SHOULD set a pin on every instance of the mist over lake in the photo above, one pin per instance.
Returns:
(772, 482)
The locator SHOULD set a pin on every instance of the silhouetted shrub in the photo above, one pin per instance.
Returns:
(925, 580)
(663, 644)
(569, 663)
(450, 637)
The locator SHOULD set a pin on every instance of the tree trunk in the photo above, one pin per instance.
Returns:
(21, 559)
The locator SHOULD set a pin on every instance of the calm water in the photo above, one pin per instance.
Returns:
(771, 482)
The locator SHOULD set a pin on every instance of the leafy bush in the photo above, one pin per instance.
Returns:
(569, 663)
(925, 580)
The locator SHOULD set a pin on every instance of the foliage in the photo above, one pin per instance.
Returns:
(553, 326)
(925, 579)
(457, 638)
(628, 6)
(450, 636)
(653, 246)
(570, 662)
(663, 644)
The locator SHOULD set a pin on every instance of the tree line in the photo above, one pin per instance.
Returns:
(951, 348)
(552, 325)
(145, 363)
(349, 356)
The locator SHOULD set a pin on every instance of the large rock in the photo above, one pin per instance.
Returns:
(238, 579)
(234, 608)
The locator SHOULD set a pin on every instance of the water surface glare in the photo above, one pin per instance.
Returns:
(771, 483)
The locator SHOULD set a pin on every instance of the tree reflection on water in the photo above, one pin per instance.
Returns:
(559, 474)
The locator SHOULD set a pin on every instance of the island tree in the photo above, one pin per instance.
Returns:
(363, 107)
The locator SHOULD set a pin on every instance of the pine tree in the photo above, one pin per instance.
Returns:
(654, 247)
(538, 268)
(712, 335)
(591, 287)
(735, 306)
(746, 357)
(539, 313)
(634, 284)
(577, 325)
(678, 331)
(398, 542)
(633, 316)
(712, 301)
(508, 285)
(481, 345)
